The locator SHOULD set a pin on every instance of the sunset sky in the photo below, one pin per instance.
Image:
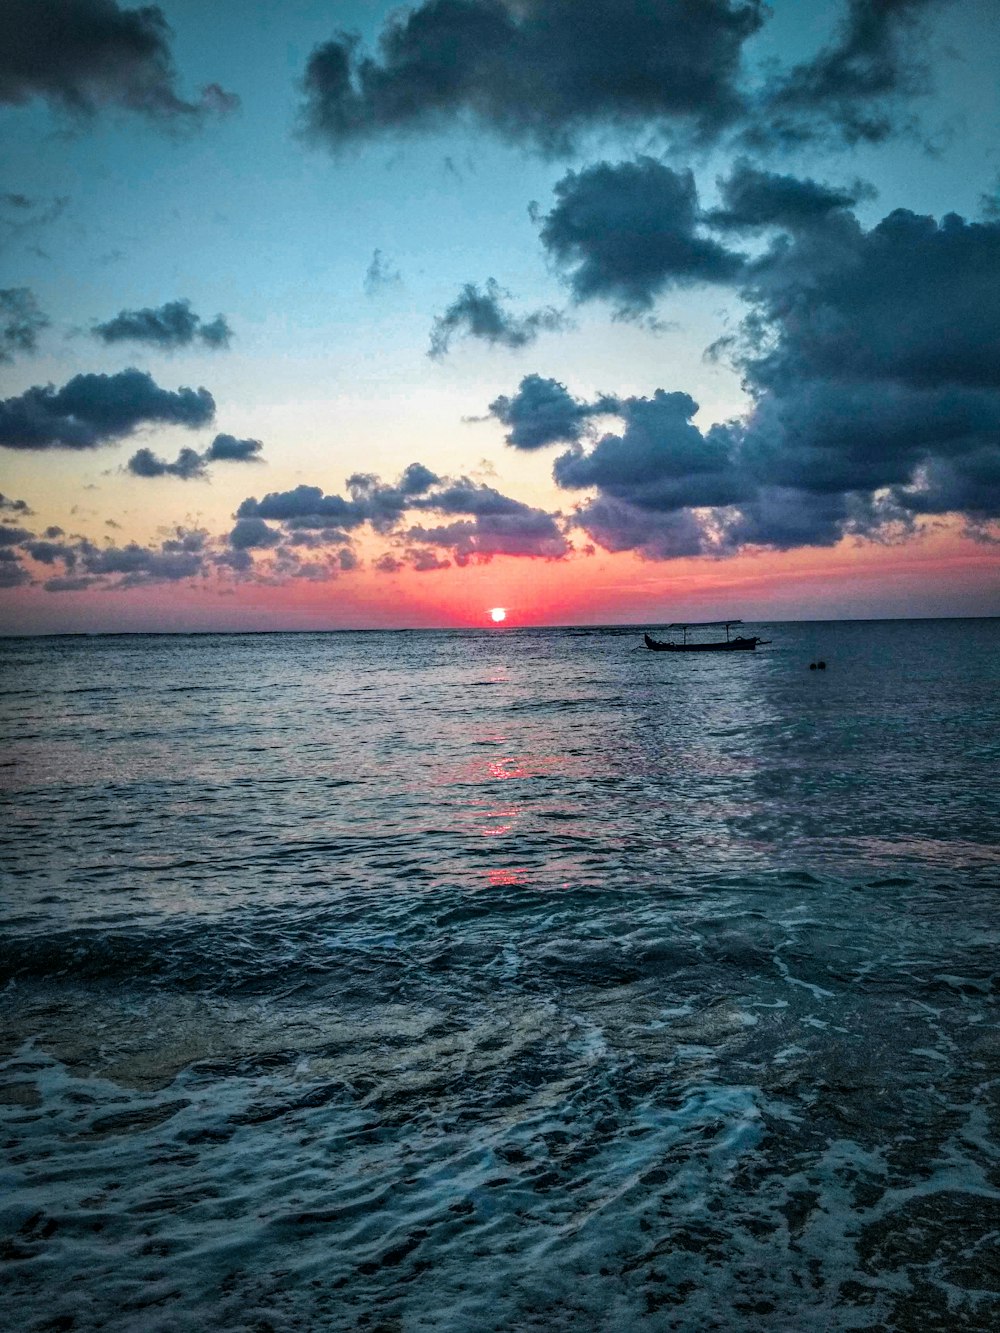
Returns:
(322, 315)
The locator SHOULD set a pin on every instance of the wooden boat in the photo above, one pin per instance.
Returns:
(726, 645)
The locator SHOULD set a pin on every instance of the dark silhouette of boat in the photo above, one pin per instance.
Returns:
(726, 645)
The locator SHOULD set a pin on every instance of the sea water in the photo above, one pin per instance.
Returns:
(521, 979)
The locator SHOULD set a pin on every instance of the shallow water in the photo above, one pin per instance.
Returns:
(502, 980)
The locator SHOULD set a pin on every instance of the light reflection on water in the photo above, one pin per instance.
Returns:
(470, 981)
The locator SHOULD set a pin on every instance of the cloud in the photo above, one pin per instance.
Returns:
(21, 321)
(253, 534)
(912, 300)
(627, 232)
(12, 573)
(85, 55)
(854, 88)
(544, 412)
(381, 275)
(872, 357)
(425, 561)
(537, 72)
(188, 463)
(21, 217)
(11, 506)
(48, 552)
(91, 410)
(228, 449)
(661, 460)
(11, 536)
(480, 314)
(487, 523)
(170, 326)
(520, 531)
(754, 198)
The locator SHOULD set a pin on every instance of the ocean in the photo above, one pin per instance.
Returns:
(501, 980)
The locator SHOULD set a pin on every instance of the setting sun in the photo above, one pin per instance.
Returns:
(497, 614)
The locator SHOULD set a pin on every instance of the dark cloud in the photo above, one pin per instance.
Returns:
(872, 358)
(855, 88)
(253, 534)
(91, 410)
(21, 321)
(520, 531)
(535, 71)
(371, 501)
(912, 300)
(11, 506)
(425, 561)
(188, 463)
(12, 573)
(417, 479)
(480, 314)
(754, 198)
(487, 523)
(11, 536)
(228, 449)
(70, 583)
(661, 460)
(544, 412)
(304, 507)
(84, 55)
(388, 564)
(627, 232)
(48, 552)
(169, 326)
(139, 563)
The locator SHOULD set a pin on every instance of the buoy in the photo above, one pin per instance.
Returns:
(812, 666)
(821, 665)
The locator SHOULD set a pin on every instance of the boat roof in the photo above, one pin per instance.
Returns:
(698, 624)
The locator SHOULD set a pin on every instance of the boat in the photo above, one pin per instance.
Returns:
(726, 645)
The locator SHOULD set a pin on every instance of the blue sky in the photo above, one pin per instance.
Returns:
(239, 212)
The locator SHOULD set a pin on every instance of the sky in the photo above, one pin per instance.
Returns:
(323, 315)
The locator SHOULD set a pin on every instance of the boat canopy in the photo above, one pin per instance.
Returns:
(699, 624)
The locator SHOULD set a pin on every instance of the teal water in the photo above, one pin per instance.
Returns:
(502, 980)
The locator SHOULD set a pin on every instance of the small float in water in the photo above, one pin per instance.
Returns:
(727, 645)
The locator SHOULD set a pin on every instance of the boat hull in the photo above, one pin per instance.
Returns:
(723, 646)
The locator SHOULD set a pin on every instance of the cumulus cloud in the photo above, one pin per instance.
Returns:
(188, 463)
(627, 232)
(755, 198)
(543, 411)
(8, 505)
(91, 410)
(228, 449)
(169, 326)
(85, 55)
(535, 71)
(484, 523)
(21, 321)
(872, 358)
(476, 313)
(855, 88)
(253, 534)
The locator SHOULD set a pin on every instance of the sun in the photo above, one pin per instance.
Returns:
(497, 614)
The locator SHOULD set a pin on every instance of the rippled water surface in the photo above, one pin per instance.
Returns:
(500, 981)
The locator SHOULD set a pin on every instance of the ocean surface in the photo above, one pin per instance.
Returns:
(503, 980)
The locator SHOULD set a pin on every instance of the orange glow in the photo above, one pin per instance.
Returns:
(497, 614)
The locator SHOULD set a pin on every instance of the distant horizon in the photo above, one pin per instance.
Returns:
(486, 629)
